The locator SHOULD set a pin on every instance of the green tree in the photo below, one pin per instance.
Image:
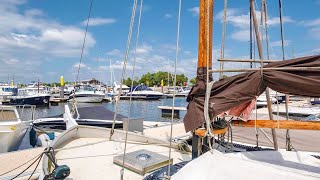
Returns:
(193, 81)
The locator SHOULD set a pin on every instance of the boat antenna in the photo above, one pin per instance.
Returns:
(174, 86)
(133, 14)
(84, 41)
(132, 77)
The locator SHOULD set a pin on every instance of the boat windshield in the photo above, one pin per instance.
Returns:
(141, 88)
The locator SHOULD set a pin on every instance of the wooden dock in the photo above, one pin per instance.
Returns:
(166, 111)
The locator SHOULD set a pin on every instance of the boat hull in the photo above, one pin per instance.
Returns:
(11, 136)
(92, 98)
(33, 100)
(59, 124)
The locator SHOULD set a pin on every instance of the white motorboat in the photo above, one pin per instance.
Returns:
(116, 89)
(6, 92)
(262, 100)
(87, 94)
(143, 92)
(12, 128)
(297, 111)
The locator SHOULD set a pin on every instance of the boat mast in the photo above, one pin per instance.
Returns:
(203, 40)
(255, 24)
(204, 57)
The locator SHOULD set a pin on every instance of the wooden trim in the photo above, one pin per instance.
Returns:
(280, 124)
(202, 132)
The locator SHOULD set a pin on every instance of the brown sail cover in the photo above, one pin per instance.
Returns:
(242, 88)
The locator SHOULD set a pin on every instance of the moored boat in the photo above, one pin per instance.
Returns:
(12, 128)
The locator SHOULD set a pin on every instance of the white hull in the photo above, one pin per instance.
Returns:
(11, 136)
(91, 99)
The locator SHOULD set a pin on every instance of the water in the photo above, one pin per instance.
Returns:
(139, 109)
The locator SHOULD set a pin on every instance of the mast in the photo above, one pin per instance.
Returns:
(255, 23)
(204, 58)
(205, 44)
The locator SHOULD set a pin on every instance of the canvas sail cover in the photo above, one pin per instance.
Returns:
(242, 88)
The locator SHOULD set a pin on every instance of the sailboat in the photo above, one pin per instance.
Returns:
(83, 152)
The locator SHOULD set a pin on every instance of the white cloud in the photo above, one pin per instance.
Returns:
(168, 16)
(241, 35)
(241, 23)
(11, 61)
(114, 52)
(29, 37)
(194, 11)
(98, 21)
(144, 49)
(313, 27)
(118, 65)
(279, 43)
(76, 65)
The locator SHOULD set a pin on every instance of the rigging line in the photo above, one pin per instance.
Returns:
(134, 7)
(84, 41)
(36, 157)
(266, 27)
(223, 35)
(132, 77)
(251, 34)
(283, 58)
(174, 85)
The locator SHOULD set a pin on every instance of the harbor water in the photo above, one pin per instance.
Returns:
(148, 110)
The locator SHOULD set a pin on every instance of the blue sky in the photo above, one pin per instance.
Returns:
(43, 39)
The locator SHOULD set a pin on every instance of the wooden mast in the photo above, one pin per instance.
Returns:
(204, 57)
(255, 23)
(203, 39)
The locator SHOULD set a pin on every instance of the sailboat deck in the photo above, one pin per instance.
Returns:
(92, 158)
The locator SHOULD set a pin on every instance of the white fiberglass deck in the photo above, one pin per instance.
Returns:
(262, 165)
(92, 158)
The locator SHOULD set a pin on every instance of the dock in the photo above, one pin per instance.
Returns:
(58, 100)
(166, 111)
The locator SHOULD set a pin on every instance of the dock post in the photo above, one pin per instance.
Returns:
(61, 87)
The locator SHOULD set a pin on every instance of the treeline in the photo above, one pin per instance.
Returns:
(154, 79)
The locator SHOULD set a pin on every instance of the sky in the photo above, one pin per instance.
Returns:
(42, 39)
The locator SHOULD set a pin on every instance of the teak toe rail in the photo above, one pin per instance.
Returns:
(278, 124)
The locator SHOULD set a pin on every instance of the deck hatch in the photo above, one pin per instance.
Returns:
(142, 161)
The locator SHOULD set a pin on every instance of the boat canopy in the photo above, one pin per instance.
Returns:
(140, 88)
(299, 76)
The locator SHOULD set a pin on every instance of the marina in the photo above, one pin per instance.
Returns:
(166, 105)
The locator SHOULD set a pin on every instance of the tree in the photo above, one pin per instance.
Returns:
(193, 81)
